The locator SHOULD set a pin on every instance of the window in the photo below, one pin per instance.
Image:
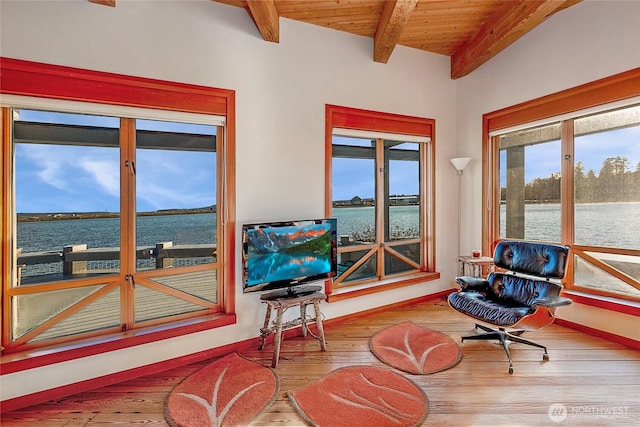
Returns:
(119, 215)
(573, 178)
(380, 176)
(607, 201)
(530, 184)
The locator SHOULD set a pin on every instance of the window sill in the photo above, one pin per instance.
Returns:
(29, 359)
(607, 303)
(367, 289)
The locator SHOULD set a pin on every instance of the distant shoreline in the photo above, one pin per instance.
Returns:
(65, 216)
(62, 216)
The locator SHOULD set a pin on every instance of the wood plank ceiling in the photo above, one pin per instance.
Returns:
(471, 32)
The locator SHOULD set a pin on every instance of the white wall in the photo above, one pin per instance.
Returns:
(589, 41)
(281, 92)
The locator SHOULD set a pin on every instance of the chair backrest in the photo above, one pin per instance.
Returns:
(543, 260)
(518, 290)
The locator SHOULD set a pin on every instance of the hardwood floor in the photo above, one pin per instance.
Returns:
(596, 380)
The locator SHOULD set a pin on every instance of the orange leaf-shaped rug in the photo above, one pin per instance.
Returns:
(361, 396)
(232, 391)
(413, 349)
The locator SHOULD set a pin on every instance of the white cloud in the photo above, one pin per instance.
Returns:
(50, 165)
(165, 196)
(105, 174)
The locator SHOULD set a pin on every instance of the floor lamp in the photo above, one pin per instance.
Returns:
(460, 163)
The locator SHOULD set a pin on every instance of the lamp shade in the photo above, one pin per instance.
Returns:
(460, 163)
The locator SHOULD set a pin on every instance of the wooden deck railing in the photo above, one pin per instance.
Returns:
(74, 259)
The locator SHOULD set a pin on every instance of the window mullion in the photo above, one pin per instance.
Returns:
(491, 199)
(381, 204)
(7, 245)
(567, 184)
(127, 220)
(426, 200)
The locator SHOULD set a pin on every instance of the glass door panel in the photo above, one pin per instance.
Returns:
(101, 299)
(67, 195)
(402, 258)
(607, 179)
(154, 304)
(607, 201)
(67, 204)
(530, 184)
(353, 177)
(588, 275)
(354, 191)
(402, 194)
(176, 216)
(175, 194)
(31, 310)
(357, 265)
(377, 201)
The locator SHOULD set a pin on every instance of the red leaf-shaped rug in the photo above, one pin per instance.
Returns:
(413, 349)
(361, 396)
(232, 391)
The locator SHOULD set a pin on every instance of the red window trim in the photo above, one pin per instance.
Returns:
(39, 357)
(607, 303)
(367, 120)
(41, 80)
(358, 291)
(355, 118)
(610, 89)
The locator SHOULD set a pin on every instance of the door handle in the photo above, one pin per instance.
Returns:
(131, 165)
(129, 278)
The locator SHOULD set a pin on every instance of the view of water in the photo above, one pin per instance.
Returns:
(104, 232)
(601, 224)
(596, 224)
(354, 220)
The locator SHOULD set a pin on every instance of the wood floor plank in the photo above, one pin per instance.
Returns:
(596, 380)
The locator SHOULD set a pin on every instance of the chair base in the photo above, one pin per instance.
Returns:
(505, 337)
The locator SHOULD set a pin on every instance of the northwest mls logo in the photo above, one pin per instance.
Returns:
(557, 412)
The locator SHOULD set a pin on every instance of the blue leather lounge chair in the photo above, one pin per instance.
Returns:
(524, 297)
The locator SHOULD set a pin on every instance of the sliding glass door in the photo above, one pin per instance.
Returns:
(577, 181)
(175, 179)
(116, 223)
(377, 200)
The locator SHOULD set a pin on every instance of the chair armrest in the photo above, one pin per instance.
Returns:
(552, 302)
(471, 283)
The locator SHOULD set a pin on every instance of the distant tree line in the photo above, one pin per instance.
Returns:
(615, 182)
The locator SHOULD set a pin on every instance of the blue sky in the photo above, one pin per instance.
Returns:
(354, 177)
(66, 178)
(592, 150)
(57, 178)
(80, 179)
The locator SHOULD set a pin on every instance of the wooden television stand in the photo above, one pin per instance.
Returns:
(281, 305)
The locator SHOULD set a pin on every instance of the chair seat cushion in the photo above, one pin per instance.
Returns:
(477, 305)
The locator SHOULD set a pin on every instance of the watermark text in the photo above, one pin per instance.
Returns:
(559, 412)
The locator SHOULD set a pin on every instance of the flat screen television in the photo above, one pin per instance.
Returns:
(283, 256)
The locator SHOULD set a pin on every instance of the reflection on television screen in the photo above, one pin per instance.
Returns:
(284, 254)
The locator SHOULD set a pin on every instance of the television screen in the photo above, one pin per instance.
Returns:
(281, 255)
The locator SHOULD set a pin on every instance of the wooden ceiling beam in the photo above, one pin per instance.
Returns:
(393, 20)
(111, 3)
(265, 16)
(507, 25)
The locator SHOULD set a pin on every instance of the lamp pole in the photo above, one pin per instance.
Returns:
(460, 163)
